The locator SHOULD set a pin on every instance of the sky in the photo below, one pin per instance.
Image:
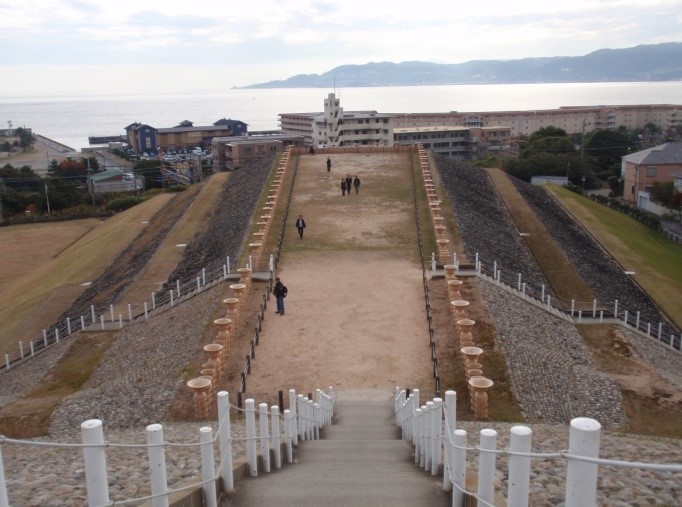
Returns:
(70, 47)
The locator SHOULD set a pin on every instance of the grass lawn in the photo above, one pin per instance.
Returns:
(656, 261)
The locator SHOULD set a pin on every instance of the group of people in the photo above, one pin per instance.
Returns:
(348, 182)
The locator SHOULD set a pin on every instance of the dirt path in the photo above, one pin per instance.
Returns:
(355, 315)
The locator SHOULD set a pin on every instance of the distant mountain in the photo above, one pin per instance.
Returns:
(659, 62)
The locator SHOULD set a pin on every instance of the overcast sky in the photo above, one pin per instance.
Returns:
(102, 46)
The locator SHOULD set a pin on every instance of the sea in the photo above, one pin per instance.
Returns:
(71, 119)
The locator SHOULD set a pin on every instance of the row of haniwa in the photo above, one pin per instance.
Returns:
(470, 354)
(205, 386)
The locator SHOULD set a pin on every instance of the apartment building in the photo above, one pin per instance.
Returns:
(640, 170)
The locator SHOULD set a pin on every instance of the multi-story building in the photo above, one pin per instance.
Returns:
(335, 127)
(455, 141)
(229, 152)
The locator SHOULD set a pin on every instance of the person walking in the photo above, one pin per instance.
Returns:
(349, 183)
(356, 184)
(343, 186)
(329, 164)
(300, 225)
(280, 292)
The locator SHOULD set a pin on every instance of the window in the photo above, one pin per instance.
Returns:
(651, 172)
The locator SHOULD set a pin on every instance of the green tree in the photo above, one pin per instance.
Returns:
(25, 138)
(150, 170)
(663, 193)
(607, 147)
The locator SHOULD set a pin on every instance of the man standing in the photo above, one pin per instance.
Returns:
(329, 164)
(349, 183)
(280, 292)
(356, 184)
(300, 225)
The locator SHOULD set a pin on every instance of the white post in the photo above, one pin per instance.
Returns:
(207, 467)
(428, 426)
(82, 323)
(7, 361)
(615, 308)
(594, 308)
(572, 307)
(203, 276)
(580, 316)
(581, 476)
(519, 467)
(33, 352)
(120, 321)
(251, 452)
(316, 420)
(648, 329)
(486, 467)
(415, 405)
(549, 301)
(450, 412)
(499, 275)
(4, 500)
(523, 288)
(289, 433)
(95, 461)
(198, 284)
(518, 283)
(433, 261)
(454, 260)
(637, 321)
(111, 310)
(271, 265)
(436, 430)
(56, 335)
(299, 419)
(224, 271)
(460, 467)
(225, 446)
(177, 286)
(625, 318)
(292, 409)
(130, 313)
(228, 264)
(21, 349)
(92, 311)
(68, 325)
(601, 316)
(171, 297)
(250, 266)
(311, 419)
(101, 321)
(153, 301)
(476, 261)
(418, 437)
(157, 465)
(660, 330)
(495, 270)
(146, 315)
(542, 296)
(263, 424)
(276, 437)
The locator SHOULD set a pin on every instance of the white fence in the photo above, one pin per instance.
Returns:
(432, 428)
(302, 421)
(580, 312)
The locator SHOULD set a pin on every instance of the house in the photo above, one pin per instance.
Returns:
(141, 138)
(114, 180)
(639, 171)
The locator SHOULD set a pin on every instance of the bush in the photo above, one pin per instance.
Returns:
(124, 203)
(176, 188)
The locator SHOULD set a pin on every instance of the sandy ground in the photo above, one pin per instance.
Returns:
(354, 318)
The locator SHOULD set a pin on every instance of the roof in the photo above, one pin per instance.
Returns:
(668, 153)
(209, 128)
(435, 128)
(105, 175)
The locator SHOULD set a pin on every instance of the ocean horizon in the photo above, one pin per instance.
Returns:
(70, 120)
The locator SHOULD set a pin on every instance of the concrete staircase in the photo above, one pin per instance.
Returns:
(358, 461)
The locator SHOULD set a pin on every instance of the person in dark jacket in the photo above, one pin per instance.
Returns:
(356, 184)
(343, 186)
(300, 225)
(349, 183)
(329, 164)
(280, 292)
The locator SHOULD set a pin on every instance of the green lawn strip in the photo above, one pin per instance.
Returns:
(656, 261)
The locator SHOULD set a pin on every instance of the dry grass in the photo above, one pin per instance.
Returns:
(37, 299)
(559, 271)
(29, 416)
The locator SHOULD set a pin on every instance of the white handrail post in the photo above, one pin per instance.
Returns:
(637, 321)
(56, 334)
(450, 412)
(130, 312)
(625, 318)
(289, 432)
(4, 500)
(95, 461)
(207, 466)
(157, 465)
(68, 325)
(519, 467)
(318, 421)
(276, 437)
(225, 435)
(177, 286)
(101, 321)
(228, 264)
(224, 271)
(594, 308)
(433, 261)
(581, 477)
(7, 361)
(33, 352)
(300, 422)
(572, 307)
(263, 423)
(292, 409)
(436, 430)
(615, 309)
(92, 311)
(111, 310)
(427, 410)
(120, 321)
(542, 294)
(153, 301)
(518, 283)
(171, 297)
(311, 419)
(459, 468)
(486, 466)
(146, 314)
(251, 453)
(198, 284)
(21, 349)
(418, 437)
(203, 276)
(82, 323)
(415, 405)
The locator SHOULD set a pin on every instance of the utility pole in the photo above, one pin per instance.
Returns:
(47, 198)
(91, 185)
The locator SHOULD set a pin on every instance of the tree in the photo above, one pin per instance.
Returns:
(25, 138)
(69, 169)
(151, 171)
(608, 147)
(663, 193)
